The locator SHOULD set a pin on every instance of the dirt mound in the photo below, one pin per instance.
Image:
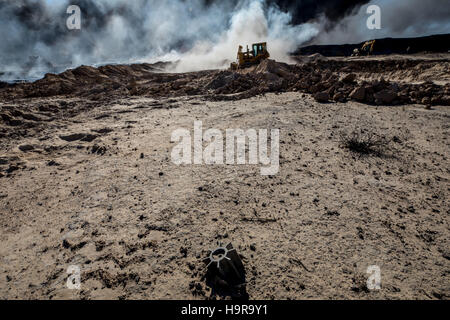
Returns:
(272, 67)
(329, 87)
(362, 80)
(336, 81)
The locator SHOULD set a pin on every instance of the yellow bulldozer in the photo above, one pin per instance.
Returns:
(366, 49)
(251, 57)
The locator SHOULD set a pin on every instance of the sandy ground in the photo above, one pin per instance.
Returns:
(139, 226)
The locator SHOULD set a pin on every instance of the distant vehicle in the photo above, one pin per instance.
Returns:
(366, 49)
(251, 57)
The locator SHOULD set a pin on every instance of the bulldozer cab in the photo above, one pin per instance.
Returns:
(259, 48)
(251, 57)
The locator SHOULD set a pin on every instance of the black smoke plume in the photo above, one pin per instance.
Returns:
(306, 10)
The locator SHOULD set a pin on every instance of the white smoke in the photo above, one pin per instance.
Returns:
(250, 24)
(201, 34)
(36, 41)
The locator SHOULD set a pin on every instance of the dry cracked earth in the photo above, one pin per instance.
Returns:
(87, 179)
